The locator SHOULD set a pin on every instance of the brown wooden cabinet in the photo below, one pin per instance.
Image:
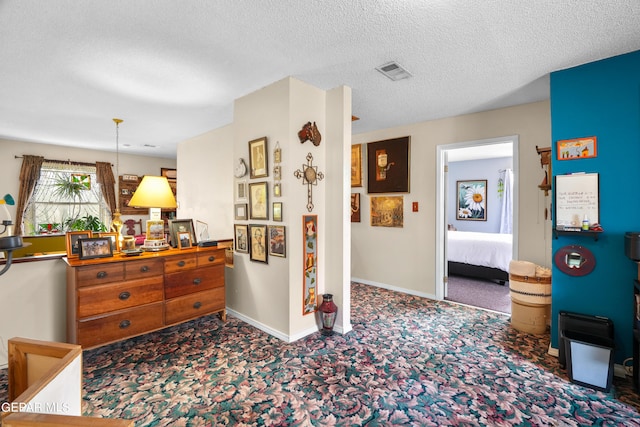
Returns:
(110, 299)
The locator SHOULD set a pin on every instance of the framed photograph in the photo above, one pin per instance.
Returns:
(277, 189)
(277, 211)
(95, 247)
(125, 191)
(241, 190)
(258, 165)
(179, 226)
(184, 240)
(170, 174)
(277, 173)
(114, 240)
(277, 154)
(258, 200)
(387, 211)
(241, 232)
(356, 165)
(73, 248)
(355, 207)
(472, 200)
(240, 211)
(155, 230)
(133, 178)
(388, 166)
(277, 241)
(258, 242)
(579, 148)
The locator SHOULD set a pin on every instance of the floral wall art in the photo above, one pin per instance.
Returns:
(472, 200)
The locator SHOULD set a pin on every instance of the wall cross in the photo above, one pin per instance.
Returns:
(310, 177)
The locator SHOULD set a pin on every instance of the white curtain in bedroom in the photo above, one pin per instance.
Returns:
(505, 190)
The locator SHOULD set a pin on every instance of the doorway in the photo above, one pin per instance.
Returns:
(468, 148)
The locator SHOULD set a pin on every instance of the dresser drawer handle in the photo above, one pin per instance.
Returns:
(212, 258)
(197, 305)
(125, 324)
(181, 263)
(144, 268)
(197, 281)
(101, 274)
(124, 295)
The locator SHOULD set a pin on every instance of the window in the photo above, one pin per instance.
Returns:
(66, 197)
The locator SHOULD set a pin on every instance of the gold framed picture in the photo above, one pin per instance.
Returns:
(356, 165)
(73, 248)
(258, 200)
(155, 230)
(258, 165)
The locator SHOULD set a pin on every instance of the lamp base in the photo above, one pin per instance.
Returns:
(155, 245)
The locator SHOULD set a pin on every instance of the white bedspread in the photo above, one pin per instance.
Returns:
(486, 249)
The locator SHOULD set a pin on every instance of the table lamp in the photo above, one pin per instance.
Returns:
(154, 193)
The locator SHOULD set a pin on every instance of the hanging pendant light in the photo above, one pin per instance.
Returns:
(116, 221)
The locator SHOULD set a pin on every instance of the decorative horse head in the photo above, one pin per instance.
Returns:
(310, 132)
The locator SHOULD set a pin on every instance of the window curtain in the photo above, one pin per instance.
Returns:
(505, 188)
(104, 176)
(29, 176)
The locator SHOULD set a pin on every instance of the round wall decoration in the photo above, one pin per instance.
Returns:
(575, 260)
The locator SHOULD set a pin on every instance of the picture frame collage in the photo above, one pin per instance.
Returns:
(252, 203)
(387, 171)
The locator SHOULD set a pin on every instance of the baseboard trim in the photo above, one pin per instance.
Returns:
(393, 288)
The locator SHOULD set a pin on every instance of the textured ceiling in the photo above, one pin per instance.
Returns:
(172, 69)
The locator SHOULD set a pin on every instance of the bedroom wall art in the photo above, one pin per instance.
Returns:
(388, 166)
(387, 211)
(310, 262)
(472, 200)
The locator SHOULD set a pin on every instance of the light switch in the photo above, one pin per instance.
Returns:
(415, 206)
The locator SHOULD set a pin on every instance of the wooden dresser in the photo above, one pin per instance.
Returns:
(110, 299)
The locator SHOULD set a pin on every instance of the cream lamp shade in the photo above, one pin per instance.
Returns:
(155, 193)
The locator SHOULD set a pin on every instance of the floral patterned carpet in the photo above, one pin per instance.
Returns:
(409, 361)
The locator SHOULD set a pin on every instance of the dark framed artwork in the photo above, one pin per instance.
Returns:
(472, 200)
(258, 242)
(95, 247)
(178, 226)
(241, 238)
(355, 207)
(277, 241)
(388, 166)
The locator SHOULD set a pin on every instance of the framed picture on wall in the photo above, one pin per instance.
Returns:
(471, 198)
(388, 166)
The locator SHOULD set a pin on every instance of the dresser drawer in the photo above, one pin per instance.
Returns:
(103, 273)
(187, 282)
(180, 263)
(144, 268)
(194, 305)
(119, 325)
(117, 296)
(211, 258)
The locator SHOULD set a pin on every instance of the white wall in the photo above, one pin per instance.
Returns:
(204, 192)
(32, 294)
(404, 258)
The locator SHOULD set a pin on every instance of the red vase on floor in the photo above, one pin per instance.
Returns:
(328, 312)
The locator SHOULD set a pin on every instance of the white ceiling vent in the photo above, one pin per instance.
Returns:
(394, 71)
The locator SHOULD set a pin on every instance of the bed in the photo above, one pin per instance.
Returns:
(480, 255)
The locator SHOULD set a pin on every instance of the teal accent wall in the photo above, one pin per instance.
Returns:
(601, 99)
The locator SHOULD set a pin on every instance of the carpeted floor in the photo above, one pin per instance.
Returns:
(479, 293)
(408, 361)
